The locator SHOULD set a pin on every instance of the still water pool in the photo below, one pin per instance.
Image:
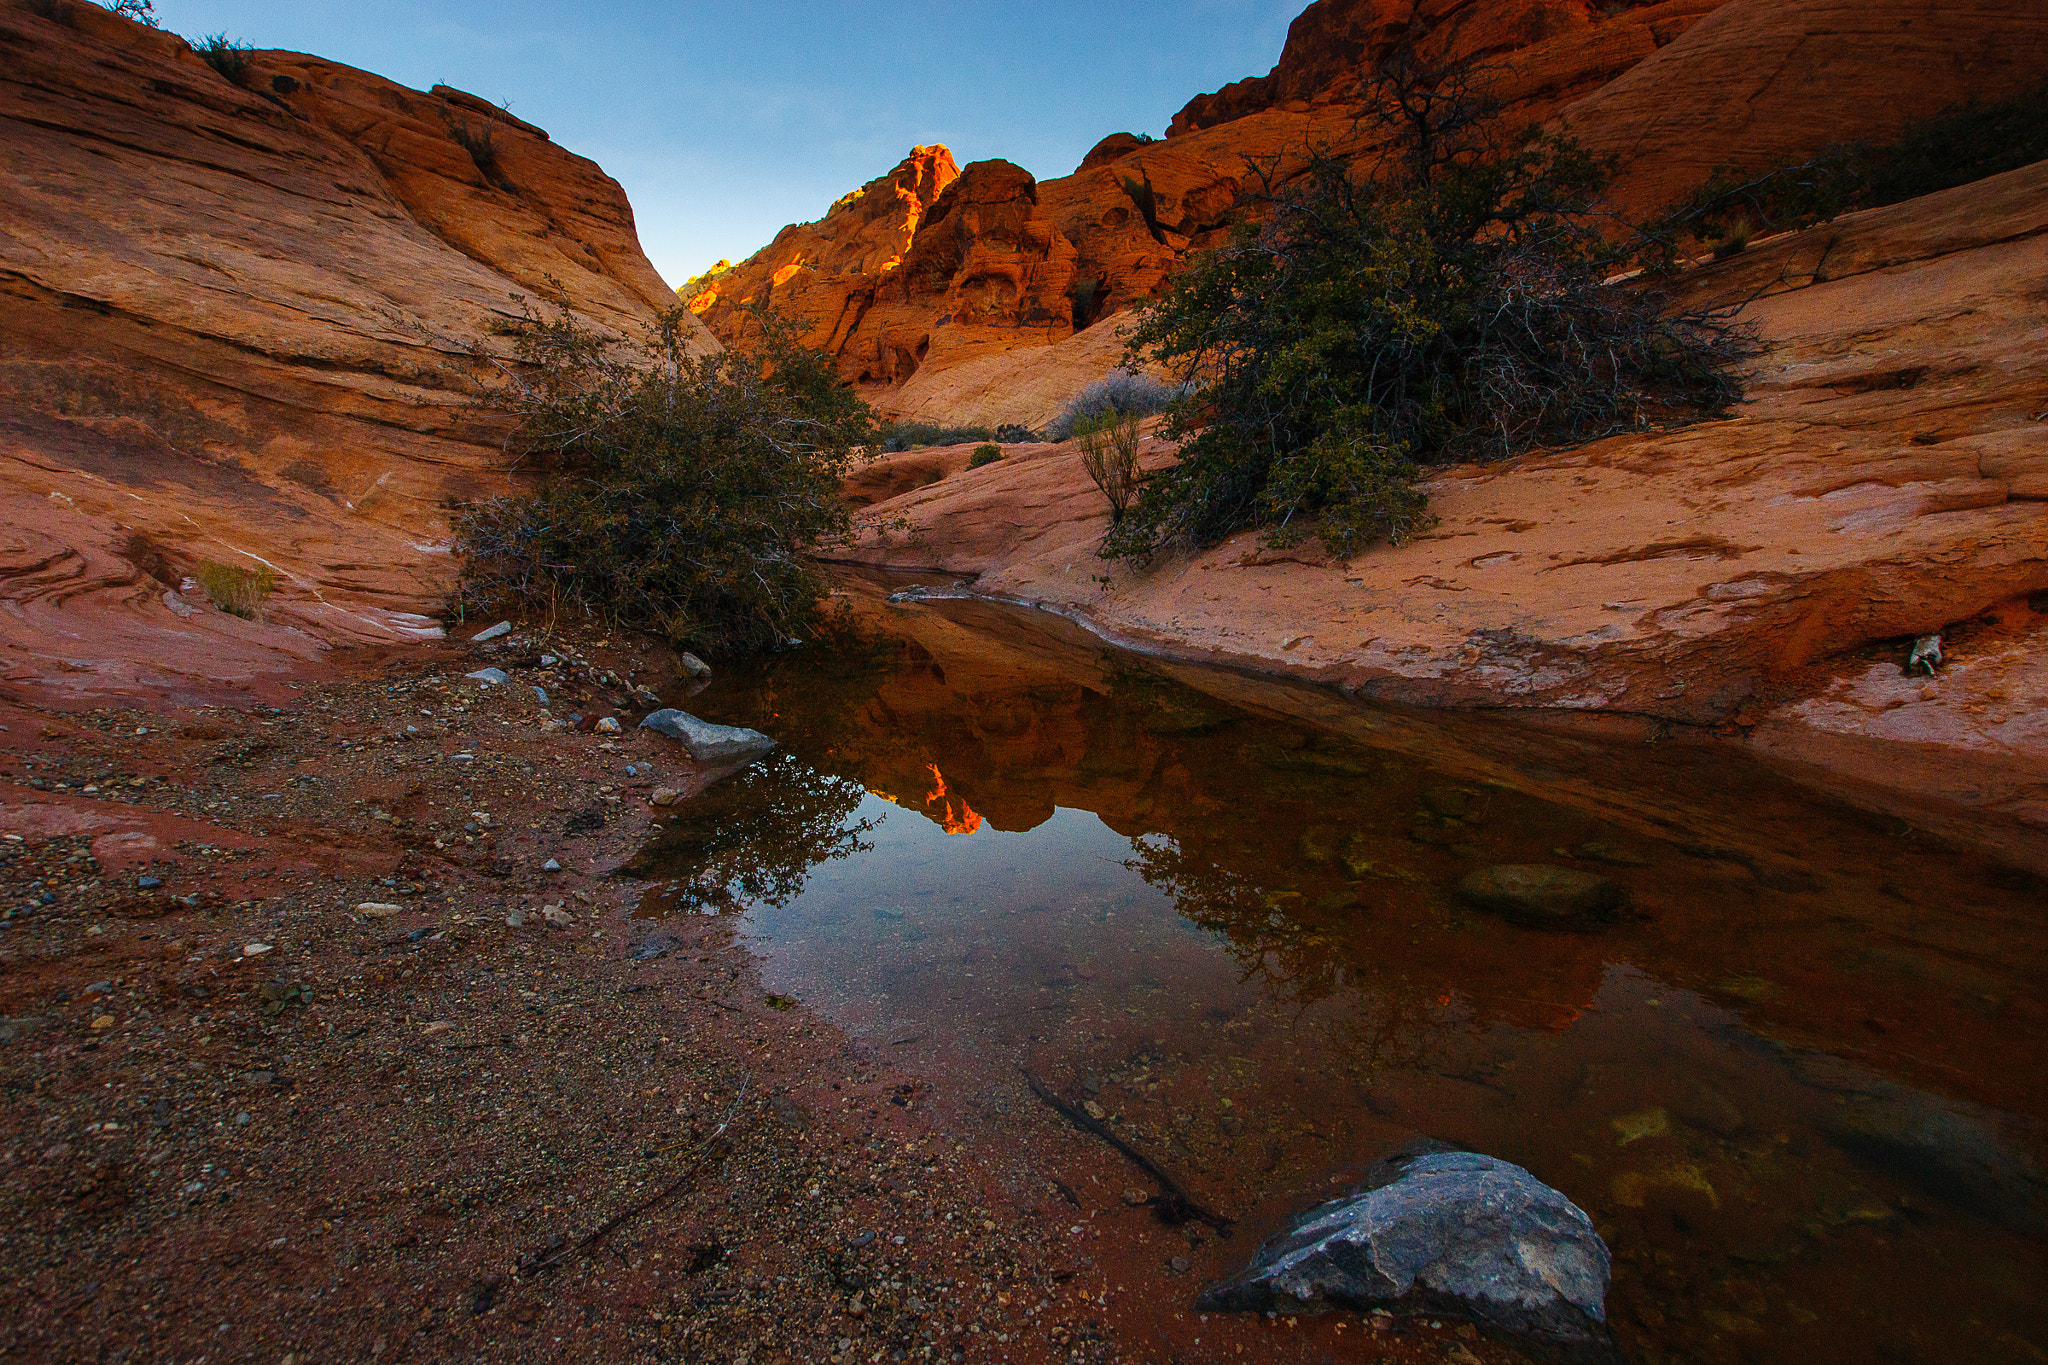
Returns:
(1797, 1082)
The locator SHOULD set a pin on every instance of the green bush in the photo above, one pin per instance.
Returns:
(1444, 302)
(236, 590)
(225, 55)
(899, 436)
(1961, 144)
(683, 495)
(984, 454)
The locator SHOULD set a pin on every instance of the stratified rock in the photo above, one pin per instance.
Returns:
(708, 743)
(1449, 1233)
(234, 324)
(1541, 895)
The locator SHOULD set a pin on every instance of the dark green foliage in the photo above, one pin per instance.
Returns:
(1015, 434)
(225, 55)
(682, 495)
(482, 146)
(984, 454)
(1445, 303)
(1961, 144)
(141, 11)
(896, 436)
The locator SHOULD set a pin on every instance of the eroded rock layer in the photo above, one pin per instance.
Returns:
(1672, 89)
(1884, 480)
(235, 328)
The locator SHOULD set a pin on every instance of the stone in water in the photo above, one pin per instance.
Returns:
(708, 743)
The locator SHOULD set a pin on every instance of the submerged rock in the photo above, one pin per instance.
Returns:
(1442, 1232)
(1544, 896)
(1960, 1156)
(706, 742)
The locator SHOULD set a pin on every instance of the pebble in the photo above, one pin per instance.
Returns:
(551, 866)
(695, 666)
(149, 883)
(664, 796)
(103, 1021)
(542, 694)
(557, 916)
(255, 949)
(492, 632)
(515, 918)
(489, 677)
(609, 725)
(377, 909)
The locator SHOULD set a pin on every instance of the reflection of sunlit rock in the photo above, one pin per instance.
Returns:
(943, 808)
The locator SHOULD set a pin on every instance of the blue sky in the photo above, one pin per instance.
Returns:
(724, 122)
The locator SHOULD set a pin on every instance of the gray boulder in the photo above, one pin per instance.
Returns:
(489, 677)
(1543, 896)
(1446, 1233)
(706, 742)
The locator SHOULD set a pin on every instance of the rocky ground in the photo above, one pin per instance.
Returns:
(285, 1082)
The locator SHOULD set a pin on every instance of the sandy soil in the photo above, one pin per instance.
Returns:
(248, 1120)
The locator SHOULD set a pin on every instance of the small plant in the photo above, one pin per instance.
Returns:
(987, 453)
(1109, 452)
(141, 11)
(1015, 434)
(477, 140)
(236, 590)
(225, 55)
(1123, 393)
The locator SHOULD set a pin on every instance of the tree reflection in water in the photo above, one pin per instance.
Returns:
(753, 839)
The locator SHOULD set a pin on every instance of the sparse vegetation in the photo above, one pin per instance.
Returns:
(1961, 144)
(1444, 301)
(988, 453)
(236, 590)
(899, 435)
(141, 11)
(226, 56)
(1109, 452)
(478, 140)
(683, 495)
(1120, 393)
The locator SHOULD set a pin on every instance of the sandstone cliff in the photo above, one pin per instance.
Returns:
(1672, 89)
(1888, 477)
(235, 323)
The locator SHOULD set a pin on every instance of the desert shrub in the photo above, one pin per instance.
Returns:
(1109, 452)
(477, 139)
(141, 11)
(1442, 301)
(683, 495)
(1961, 144)
(1124, 393)
(236, 590)
(899, 436)
(225, 55)
(984, 454)
(1015, 434)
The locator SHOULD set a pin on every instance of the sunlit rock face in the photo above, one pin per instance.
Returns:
(1672, 90)
(236, 327)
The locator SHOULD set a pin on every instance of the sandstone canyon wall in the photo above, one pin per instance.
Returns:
(1887, 477)
(1002, 290)
(235, 328)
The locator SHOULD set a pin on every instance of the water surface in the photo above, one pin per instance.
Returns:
(1797, 1084)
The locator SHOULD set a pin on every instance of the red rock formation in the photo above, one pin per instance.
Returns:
(1672, 89)
(1885, 479)
(234, 328)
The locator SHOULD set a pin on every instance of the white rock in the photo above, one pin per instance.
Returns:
(378, 909)
(493, 632)
(255, 949)
(557, 916)
(708, 743)
(551, 866)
